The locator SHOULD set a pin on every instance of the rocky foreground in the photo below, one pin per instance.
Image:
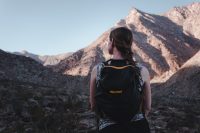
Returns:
(28, 108)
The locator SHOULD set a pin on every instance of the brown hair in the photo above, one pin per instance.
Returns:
(122, 39)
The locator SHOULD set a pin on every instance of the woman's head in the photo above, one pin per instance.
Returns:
(121, 38)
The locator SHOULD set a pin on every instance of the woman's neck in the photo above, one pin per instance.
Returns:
(117, 55)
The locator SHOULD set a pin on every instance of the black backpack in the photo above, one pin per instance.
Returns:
(118, 94)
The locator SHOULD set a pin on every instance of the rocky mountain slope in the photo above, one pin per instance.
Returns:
(82, 61)
(160, 43)
(177, 101)
(24, 69)
(184, 83)
(45, 59)
(187, 17)
(34, 99)
(31, 108)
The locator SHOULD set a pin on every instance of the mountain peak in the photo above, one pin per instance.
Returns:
(185, 11)
(194, 8)
(194, 5)
(24, 52)
(135, 12)
(134, 15)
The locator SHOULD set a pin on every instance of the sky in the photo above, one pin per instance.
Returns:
(50, 27)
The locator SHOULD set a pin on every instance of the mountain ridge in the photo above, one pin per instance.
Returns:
(45, 59)
(159, 43)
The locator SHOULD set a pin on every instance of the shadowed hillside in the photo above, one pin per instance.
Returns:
(34, 99)
(177, 102)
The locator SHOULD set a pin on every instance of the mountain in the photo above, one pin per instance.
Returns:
(187, 17)
(177, 101)
(45, 59)
(160, 43)
(32, 95)
(185, 82)
(82, 61)
(19, 68)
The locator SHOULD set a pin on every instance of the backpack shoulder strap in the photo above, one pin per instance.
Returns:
(100, 67)
(108, 62)
(141, 81)
(141, 84)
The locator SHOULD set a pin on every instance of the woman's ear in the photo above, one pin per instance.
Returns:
(112, 43)
(111, 47)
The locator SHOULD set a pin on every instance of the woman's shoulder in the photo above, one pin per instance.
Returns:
(97, 67)
(144, 72)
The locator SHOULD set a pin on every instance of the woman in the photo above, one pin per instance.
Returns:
(119, 46)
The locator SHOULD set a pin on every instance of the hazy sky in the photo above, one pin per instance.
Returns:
(59, 26)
